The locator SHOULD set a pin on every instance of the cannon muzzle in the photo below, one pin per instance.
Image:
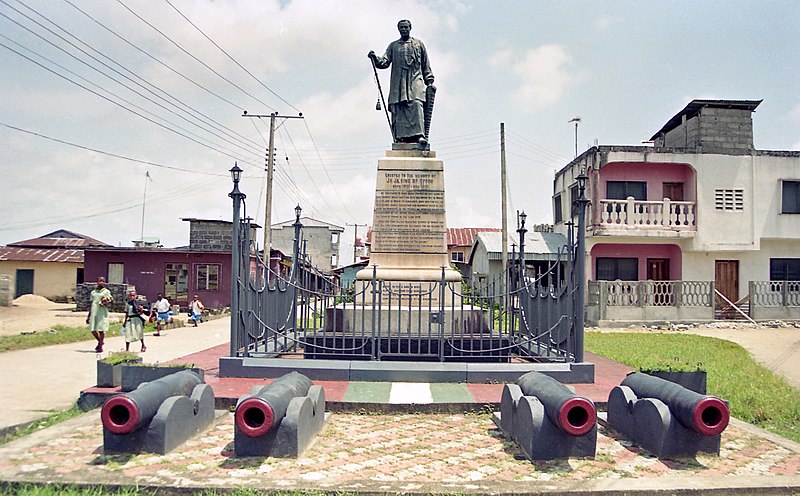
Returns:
(125, 413)
(573, 414)
(706, 415)
(258, 414)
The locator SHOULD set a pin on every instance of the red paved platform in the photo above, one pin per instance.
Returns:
(607, 375)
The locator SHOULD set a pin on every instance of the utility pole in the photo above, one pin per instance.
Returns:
(355, 237)
(144, 201)
(576, 120)
(504, 201)
(270, 173)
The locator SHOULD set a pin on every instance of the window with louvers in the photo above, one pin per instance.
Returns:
(731, 200)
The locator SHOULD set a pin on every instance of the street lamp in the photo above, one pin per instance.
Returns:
(236, 173)
(236, 263)
(297, 211)
(582, 177)
(521, 231)
(580, 266)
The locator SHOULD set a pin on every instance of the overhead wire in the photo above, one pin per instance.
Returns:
(102, 72)
(108, 99)
(230, 57)
(194, 57)
(110, 154)
(155, 59)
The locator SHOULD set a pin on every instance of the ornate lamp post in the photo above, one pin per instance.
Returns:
(521, 232)
(236, 263)
(296, 261)
(580, 265)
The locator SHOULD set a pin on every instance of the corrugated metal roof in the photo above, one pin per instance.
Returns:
(20, 254)
(456, 236)
(465, 236)
(61, 238)
(310, 222)
(538, 245)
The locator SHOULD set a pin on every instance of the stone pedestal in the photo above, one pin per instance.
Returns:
(409, 236)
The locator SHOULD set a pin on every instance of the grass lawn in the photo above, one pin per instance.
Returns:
(63, 334)
(756, 395)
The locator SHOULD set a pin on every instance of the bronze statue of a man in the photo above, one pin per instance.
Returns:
(411, 86)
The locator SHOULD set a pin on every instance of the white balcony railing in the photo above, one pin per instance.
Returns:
(666, 214)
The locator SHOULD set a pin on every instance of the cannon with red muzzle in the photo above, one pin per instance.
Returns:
(157, 416)
(666, 418)
(546, 419)
(280, 419)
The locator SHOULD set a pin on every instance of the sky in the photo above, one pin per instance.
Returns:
(97, 95)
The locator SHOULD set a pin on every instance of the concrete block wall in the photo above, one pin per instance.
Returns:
(118, 291)
(714, 130)
(210, 236)
(6, 291)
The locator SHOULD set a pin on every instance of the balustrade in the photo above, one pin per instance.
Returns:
(666, 214)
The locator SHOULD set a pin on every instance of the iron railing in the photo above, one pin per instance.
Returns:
(306, 314)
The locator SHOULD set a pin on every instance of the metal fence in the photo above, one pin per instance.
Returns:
(305, 314)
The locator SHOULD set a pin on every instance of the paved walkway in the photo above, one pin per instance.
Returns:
(38, 380)
(405, 453)
(392, 452)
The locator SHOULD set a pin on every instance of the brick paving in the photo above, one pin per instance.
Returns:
(393, 452)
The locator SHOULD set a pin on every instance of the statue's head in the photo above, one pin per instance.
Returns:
(404, 26)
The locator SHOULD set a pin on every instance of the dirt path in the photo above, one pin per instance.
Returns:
(34, 313)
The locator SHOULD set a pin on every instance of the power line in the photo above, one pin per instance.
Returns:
(193, 57)
(110, 154)
(230, 57)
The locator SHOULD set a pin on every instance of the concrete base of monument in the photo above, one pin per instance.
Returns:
(464, 321)
(412, 293)
(408, 274)
(402, 371)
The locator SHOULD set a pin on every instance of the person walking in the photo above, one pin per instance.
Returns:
(161, 309)
(134, 322)
(100, 298)
(196, 310)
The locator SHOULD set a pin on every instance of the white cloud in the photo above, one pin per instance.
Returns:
(545, 76)
(794, 113)
(605, 22)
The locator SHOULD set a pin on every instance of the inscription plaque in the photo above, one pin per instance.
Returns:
(409, 233)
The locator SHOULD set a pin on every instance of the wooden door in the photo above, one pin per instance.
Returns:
(658, 269)
(726, 281)
(673, 191)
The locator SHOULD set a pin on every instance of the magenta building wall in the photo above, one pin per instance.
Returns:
(654, 174)
(642, 252)
(145, 269)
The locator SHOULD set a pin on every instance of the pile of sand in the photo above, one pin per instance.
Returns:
(33, 301)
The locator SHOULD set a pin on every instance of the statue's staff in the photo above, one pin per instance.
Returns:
(380, 91)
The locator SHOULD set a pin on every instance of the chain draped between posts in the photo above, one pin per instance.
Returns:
(302, 312)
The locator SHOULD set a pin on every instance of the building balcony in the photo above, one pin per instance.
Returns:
(631, 217)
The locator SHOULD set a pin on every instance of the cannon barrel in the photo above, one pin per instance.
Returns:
(573, 414)
(125, 413)
(260, 413)
(706, 415)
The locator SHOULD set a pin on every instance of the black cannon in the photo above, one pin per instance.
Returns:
(666, 418)
(279, 419)
(546, 419)
(157, 416)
